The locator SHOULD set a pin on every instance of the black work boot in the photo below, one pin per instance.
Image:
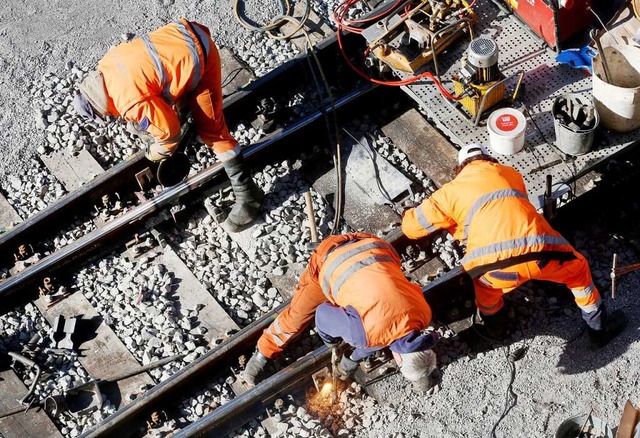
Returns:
(611, 327)
(493, 327)
(249, 196)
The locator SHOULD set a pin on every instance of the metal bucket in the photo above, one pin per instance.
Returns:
(618, 101)
(570, 428)
(574, 141)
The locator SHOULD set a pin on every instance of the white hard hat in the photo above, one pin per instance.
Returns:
(471, 150)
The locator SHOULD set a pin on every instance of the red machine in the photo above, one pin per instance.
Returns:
(553, 20)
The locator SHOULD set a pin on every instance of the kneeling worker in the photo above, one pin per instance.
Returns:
(355, 287)
(145, 80)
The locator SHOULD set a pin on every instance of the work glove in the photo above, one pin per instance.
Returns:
(154, 152)
(613, 325)
(347, 367)
(254, 368)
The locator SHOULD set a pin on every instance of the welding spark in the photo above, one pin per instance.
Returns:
(327, 387)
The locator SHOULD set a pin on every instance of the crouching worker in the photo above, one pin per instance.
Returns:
(151, 80)
(486, 207)
(355, 287)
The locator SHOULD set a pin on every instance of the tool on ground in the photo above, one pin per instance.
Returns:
(617, 271)
(87, 397)
(63, 330)
(31, 364)
(479, 83)
(411, 37)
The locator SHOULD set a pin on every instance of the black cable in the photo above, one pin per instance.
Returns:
(375, 169)
(233, 72)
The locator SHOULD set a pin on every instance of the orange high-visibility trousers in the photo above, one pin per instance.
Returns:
(575, 274)
(206, 107)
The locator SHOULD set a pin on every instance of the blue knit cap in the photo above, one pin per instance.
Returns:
(85, 110)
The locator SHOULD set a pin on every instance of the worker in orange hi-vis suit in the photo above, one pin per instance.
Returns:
(145, 80)
(355, 287)
(486, 207)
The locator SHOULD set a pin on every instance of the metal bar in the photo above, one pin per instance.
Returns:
(613, 275)
(89, 242)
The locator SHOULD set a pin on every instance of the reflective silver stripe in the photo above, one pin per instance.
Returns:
(355, 268)
(583, 293)
(508, 245)
(160, 71)
(591, 307)
(346, 256)
(226, 156)
(193, 50)
(204, 39)
(422, 220)
(486, 198)
(275, 335)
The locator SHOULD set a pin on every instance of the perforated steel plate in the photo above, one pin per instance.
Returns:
(545, 79)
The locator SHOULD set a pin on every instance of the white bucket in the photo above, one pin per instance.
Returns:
(618, 102)
(506, 131)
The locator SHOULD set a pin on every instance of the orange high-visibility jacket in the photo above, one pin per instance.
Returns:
(486, 206)
(358, 270)
(145, 77)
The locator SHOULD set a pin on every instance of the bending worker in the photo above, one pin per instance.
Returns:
(487, 208)
(355, 286)
(145, 80)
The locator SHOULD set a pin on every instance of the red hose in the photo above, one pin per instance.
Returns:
(398, 83)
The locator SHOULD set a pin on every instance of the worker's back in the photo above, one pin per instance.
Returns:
(366, 275)
(167, 62)
(494, 217)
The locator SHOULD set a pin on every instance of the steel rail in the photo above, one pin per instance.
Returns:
(210, 365)
(91, 191)
(97, 239)
(242, 409)
(235, 110)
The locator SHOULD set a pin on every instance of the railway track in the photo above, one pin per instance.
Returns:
(224, 341)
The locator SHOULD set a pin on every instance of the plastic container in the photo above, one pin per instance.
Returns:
(571, 427)
(506, 131)
(618, 101)
(569, 141)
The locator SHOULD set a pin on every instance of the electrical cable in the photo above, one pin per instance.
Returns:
(269, 29)
(227, 79)
(375, 169)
